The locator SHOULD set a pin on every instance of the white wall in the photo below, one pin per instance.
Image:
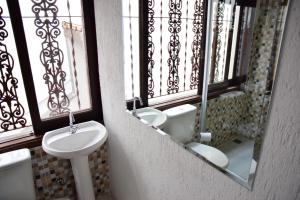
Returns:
(147, 166)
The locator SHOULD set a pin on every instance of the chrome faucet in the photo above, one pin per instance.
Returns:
(134, 105)
(73, 127)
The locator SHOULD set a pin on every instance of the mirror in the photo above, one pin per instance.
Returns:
(202, 73)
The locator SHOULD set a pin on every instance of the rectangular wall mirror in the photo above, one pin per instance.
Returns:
(202, 72)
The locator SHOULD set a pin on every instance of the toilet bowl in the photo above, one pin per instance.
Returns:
(180, 125)
(211, 154)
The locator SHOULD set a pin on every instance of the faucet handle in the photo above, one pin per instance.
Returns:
(140, 100)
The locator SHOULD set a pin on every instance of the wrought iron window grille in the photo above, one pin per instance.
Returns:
(12, 111)
(224, 24)
(48, 28)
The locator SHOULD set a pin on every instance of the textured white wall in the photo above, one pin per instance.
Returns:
(147, 166)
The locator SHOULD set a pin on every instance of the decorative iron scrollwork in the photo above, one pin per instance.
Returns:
(51, 55)
(174, 45)
(219, 29)
(161, 47)
(74, 56)
(12, 111)
(131, 50)
(150, 48)
(196, 44)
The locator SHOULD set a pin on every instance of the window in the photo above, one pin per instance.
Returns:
(49, 66)
(164, 45)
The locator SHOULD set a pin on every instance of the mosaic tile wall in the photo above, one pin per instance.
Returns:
(224, 116)
(264, 54)
(54, 177)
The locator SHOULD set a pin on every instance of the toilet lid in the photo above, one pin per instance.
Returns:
(212, 154)
(14, 158)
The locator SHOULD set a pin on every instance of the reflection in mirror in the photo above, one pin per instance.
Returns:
(204, 72)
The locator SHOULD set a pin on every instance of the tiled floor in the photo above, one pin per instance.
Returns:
(239, 153)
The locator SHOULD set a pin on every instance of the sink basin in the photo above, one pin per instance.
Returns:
(76, 147)
(211, 154)
(61, 143)
(152, 116)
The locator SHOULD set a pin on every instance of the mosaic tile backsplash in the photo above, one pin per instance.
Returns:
(53, 176)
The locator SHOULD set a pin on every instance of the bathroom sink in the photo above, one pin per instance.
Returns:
(76, 147)
(152, 116)
(61, 143)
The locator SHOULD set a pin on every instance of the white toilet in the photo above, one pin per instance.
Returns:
(16, 179)
(180, 124)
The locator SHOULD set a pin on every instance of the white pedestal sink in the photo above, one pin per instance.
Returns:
(76, 147)
(152, 116)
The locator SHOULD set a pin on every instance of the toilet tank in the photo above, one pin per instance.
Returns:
(16, 178)
(180, 123)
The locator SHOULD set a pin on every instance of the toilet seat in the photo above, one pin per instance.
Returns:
(211, 154)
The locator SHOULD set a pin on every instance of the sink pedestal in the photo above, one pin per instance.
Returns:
(83, 179)
(76, 147)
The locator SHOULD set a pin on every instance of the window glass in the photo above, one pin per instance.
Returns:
(55, 37)
(15, 118)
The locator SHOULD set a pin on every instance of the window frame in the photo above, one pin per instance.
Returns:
(214, 90)
(40, 127)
